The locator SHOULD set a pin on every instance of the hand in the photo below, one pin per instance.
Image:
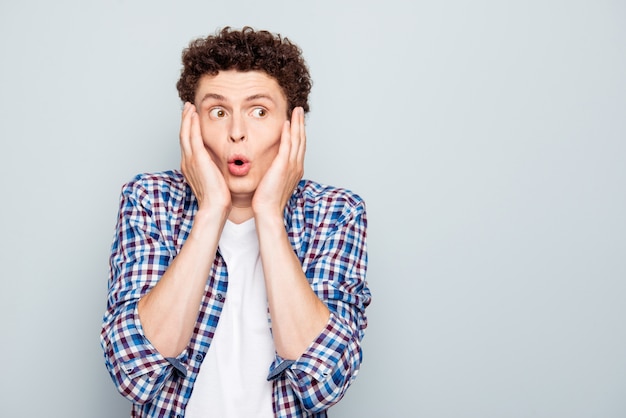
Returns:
(282, 177)
(204, 178)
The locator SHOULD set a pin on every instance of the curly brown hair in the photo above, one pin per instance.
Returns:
(247, 50)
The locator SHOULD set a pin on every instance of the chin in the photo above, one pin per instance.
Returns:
(242, 186)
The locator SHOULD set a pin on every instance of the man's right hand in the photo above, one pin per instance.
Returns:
(204, 178)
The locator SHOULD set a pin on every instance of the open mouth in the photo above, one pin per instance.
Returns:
(238, 165)
(237, 160)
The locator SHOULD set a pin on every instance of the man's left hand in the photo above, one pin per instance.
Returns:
(286, 170)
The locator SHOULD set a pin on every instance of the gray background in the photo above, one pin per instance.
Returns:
(487, 137)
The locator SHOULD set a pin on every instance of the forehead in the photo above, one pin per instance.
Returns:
(237, 86)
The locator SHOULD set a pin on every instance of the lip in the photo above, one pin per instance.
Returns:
(238, 165)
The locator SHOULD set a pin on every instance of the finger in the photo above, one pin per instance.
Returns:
(302, 147)
(197, 144)
(185, 128)
(295, 134)
(284, 150)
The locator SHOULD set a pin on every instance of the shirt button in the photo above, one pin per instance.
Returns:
(199, 357)
(130, 370)
(219, 297)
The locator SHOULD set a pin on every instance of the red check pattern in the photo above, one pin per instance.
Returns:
(327, 230)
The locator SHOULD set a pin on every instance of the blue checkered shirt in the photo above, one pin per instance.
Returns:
(327, 230)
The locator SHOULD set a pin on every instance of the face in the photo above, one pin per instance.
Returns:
(241, 119)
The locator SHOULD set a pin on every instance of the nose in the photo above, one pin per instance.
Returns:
(237, 131)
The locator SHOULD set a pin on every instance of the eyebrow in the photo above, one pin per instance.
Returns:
(258, 96)
(221, 98)
(215, 96)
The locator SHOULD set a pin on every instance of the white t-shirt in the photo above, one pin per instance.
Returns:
(232, 381)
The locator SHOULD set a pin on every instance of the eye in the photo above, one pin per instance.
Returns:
(259, 112)
(217, 113)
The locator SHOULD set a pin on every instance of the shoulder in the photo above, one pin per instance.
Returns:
(171, 179)
(322, 198)
(318, 192)
(157, 186)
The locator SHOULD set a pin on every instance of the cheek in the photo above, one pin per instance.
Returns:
(271, 149)
(211, 144)
(270, 153)
(274, 134)
(275, 146)
(265, 136)
(206, 130)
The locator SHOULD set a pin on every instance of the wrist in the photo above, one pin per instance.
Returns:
(208, 222)
(269, 218)
(267, 212)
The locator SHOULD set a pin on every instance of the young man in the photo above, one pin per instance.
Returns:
(236, 288)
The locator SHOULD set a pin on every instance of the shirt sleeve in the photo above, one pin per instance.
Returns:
(336, 269)
(139, 257)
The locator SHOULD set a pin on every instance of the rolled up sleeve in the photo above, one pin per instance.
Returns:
(335, 266)
(138, 259)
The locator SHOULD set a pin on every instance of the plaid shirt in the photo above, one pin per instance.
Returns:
(327, 230)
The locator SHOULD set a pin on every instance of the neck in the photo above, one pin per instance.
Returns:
(240, 214)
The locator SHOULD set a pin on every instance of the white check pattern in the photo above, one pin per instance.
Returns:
(327, 230)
